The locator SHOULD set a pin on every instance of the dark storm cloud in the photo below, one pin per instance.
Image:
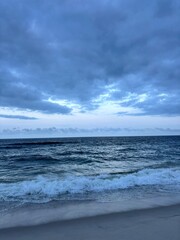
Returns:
(74, 49)
(17, 95)
(17, 117)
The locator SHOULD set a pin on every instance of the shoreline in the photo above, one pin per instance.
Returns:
(37, 214)
(161, 222)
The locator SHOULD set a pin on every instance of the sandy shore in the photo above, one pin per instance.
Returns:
(147, 224)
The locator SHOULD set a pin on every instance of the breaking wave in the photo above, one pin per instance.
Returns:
(50, 187)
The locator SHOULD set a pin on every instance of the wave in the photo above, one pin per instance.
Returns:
(44, 187)
(39, 143)
(59, 159)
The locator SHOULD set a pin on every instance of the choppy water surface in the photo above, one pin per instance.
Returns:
(42, 170)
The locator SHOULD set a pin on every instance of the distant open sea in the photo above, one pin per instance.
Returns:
(101, 169)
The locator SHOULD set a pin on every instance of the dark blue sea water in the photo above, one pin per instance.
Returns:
(44, 170)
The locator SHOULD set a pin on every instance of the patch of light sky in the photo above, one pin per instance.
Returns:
(104, 116)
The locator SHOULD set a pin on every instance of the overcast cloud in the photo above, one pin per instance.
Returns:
(17, 117)
(78, 50)
(74, 132)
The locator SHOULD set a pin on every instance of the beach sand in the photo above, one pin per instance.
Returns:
(146, 224)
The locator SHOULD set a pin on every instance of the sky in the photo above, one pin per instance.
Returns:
(89, 68)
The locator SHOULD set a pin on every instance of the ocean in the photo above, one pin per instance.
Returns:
(60, 172)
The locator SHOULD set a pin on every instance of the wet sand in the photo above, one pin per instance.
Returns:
(145, 224)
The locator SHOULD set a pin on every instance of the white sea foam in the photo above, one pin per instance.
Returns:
(49, 187)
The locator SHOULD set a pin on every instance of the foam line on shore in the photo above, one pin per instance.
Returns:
(157, 223)
(28, 215)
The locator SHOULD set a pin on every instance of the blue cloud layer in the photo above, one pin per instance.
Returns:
(21, 117)
(73, 50)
